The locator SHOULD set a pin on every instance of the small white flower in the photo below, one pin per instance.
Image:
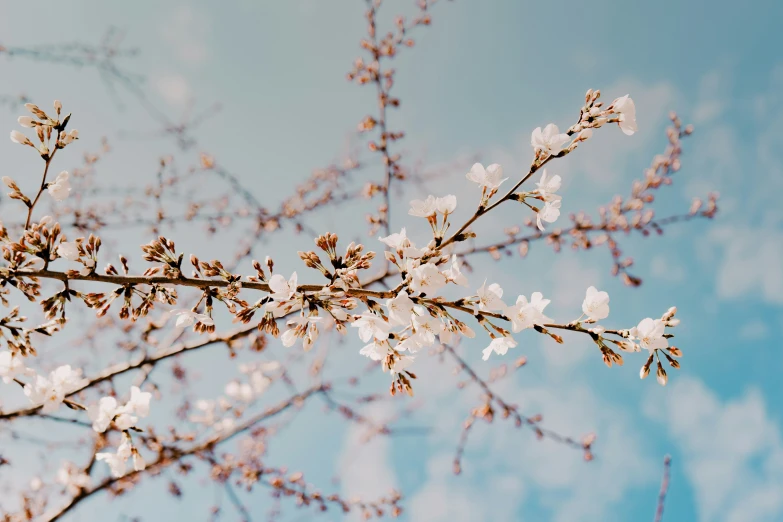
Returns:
(649, 333)
(375, 351)
(499, 345)
(424, 208)
(490, 297)
(446, 204)
(371, 326)
(186, 318)
(626, 108)
(240, 391)
(425, 327)
(50, 392)
(138, 462)
(549, 141)
(454, 274)
(11, 365)
(427, 279)
(489, 178)
(548, 186)
(397, 241)
(401, 363)
(102, 413)
(400, 309)
(282, 290)
(596, 304)
(549, 213)
(72, 478)
(69, 251)
(60, 187)
(524, 314)
(139, 402)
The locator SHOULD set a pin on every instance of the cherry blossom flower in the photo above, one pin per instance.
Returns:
(50, 392)
(372, 326)
(499, 345)
(490, 297)
(282, 290)
(375, 351)
(102, 413)
(26, 122)
(626, 108)
(524, 314)
(301, 326)
(548, 141)
(139, 402)
(548, 186)
(60, 187)
(138, 461)
(400, 363)
(117, 461)
(72, 478)
(596, 304)
(489, 178)
(11, 365)
(69, 251)
(397, 240)
(423, 208)
(400, 309)
(186, 318)
(425, 327)
(240, 391)
(649, 333)
(549, 213)
(426, 279)
(453, 274)
(446, 204)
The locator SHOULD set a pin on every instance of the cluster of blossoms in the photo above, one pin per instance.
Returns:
(395, 325)
(108, 412)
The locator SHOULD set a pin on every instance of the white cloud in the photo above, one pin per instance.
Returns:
(187, 31)
(667, 267)
(732, 451)
(754, 330)
(174, 88)
(751, 262)
(364, 466)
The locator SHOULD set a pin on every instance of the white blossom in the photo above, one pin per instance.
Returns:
(454, 274)
(490, 297)
(626, 108)
(596, 304)
(69, 251)
(72, 478)
(499, 345)
(371, 326)
(186, 318)
(649, 333)
(548, 186)
(397, 240)
(139, 402)
(423, 208)
(60, 187)
(117, 461)
(548, 141)
(488, 178)
(446, 204)
(549, 213)
(11, 365)
(240, 391)
(524, 314)
(400, 363)
(375, 351)
(400, 309)
(427, 279)
(102, 413)
(425, 328)
(50, 392)
(282, 290)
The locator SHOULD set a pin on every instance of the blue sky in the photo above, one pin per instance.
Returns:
(477, 82)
